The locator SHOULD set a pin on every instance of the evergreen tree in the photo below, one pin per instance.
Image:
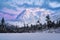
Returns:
(53, 24)
(2, 21)
(3, 28)
(57, 24)
(39, 25)
(44, 26)
(49, 22)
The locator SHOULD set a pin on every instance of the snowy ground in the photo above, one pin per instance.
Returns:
(29, 36)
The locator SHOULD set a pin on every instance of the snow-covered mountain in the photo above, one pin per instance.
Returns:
(33, 14)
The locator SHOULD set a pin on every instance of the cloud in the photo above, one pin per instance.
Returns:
(12, 14)
(7, 16)
(54, 4)
(26, 3)
(54, 1)
(10, 11)
(38, 2)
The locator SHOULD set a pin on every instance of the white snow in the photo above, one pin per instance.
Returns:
(29, 36)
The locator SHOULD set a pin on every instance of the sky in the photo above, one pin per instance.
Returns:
(28, 11)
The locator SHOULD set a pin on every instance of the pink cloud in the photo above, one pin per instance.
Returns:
(7, 17)
(11, 11)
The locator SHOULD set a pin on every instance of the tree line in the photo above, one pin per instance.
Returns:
(5, 28)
